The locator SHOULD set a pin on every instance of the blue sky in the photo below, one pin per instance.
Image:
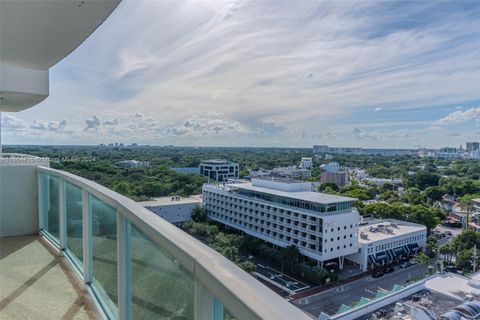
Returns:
(261, 73)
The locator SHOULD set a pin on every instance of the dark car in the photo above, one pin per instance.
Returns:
(389, 270)
(377, 274)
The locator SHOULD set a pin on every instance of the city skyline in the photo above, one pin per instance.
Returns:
(394, 75)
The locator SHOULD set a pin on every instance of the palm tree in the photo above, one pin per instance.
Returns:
(446, 251)
(466, 204)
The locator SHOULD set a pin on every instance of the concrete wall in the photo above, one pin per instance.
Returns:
(278, 185)
(18, 200)
(175, 213)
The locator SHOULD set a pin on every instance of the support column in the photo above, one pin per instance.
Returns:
(62, 219)
(0, 134)
(124, 274)
(41, 196)
(87, 238)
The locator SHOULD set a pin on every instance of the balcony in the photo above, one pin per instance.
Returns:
(128, 262)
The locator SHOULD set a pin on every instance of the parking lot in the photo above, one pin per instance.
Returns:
(279, 279)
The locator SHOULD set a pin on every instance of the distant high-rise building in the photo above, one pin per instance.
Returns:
(473, 146)
(362, 151)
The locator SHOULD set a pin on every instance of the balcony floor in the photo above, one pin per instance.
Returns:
(34, 284)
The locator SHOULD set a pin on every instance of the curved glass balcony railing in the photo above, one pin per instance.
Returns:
(138, 266)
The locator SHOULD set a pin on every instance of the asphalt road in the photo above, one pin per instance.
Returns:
(330, 301)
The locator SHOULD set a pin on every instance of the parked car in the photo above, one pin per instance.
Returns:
(377, 274)
(389, 270)
(405, 264)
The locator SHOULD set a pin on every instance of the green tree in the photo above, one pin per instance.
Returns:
(330, 185)
(466, 203)
(432, 246)
(413, 196)
(422, 258)
(122, 187)
(433, 194)
(423, 179)
(248, 266)
(199, 214)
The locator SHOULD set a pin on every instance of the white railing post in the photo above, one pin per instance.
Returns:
(41, 193)
(87, 238)
(46, 200)
(62, 219)
(124, 273)
(206, 305)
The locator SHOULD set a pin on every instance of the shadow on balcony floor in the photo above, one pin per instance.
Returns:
(34, 284)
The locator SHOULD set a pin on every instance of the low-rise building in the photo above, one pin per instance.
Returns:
(384, 241)
(333, 173)
(174, 209)
(291, 172)
(380, 182)
(219, 170)
(286, 212)
(339, 178)
(133, 163)
(306, 163)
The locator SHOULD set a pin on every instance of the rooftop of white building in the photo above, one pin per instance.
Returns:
(171, 200)
(455, 286)
(384, 229)
(315, 197)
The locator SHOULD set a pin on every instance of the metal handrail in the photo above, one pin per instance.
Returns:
(241, 294)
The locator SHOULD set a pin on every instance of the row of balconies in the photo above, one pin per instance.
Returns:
(259, 202)
(276, 214)
(262, 227)
(264, 221)
(302, 241)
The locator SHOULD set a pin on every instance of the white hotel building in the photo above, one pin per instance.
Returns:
(322, 226)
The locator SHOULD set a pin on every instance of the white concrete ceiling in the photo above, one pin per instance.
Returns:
(37, 34)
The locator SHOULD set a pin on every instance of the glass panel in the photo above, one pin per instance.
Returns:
(104, 242)
(161, 288)
(227, 315)
(73, 211)
(51, 205)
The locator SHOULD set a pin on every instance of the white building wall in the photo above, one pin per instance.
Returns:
(361, 257)
(174, 213)
(284, 225)
(18, 200)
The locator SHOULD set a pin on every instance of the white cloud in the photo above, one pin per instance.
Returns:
(113, 122)
(49, 125)
(12, 123)
(137, 115)
(93, 123)
(268, 68)
(459, 117)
